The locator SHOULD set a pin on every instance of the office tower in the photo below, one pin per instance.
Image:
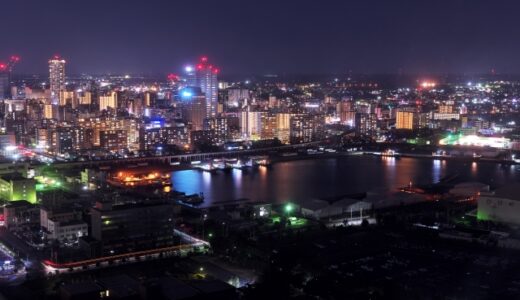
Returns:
(56, 77)
(204, 76)
(194, 106)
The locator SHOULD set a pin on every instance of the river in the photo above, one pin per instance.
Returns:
(314, 178)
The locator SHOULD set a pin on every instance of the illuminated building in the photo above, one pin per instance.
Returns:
(150, 99)
(305, 128)
(283, 127)
(445, 116)
(48, 111)
(14, 187)
(251, 124)
(84, 98)
(478, 141)
(131, 227)
(67, 98)
(219, 127)
(446, 109)
(204, 76)
(108, 101)
(194, 106)
(406, 118)
(366, 124)
(113, 140)
(269, 127)
(345, 112)
(132, 127)
(169, 135)
(237, 96)
(56, 77)
(64, 140)
(273, 102)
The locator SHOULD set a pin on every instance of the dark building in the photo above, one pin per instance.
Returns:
(305, 128)
(366, 124)
(113, 140)
(131, 227)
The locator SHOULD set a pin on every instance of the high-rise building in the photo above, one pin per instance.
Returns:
(283, 127)
(204, 76)
(251, 124)
(306, 128)
(194, 107)
(366, 124)
(56, 77)
(4, 85)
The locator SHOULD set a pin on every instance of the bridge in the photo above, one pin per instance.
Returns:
(168, 159)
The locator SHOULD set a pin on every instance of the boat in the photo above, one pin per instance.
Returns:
(390, 153)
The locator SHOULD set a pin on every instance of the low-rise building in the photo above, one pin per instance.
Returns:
(14, 187)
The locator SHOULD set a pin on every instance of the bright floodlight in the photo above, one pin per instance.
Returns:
(288, 207)
(188, 69)
(187, 94)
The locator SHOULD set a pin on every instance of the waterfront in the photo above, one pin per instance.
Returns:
(306, 179)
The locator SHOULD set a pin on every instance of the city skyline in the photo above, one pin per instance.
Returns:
(282, 38)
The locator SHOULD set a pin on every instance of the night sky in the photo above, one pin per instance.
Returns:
(264, 36)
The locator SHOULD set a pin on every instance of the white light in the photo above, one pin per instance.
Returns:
(188, 69)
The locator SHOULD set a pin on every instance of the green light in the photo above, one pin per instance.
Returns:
(210, 235)
(107, 222)
(288, 207)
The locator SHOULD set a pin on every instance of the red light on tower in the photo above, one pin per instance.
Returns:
(216, 71)
(204, 59)
(173, 77)
(3, 66)
(200, 67)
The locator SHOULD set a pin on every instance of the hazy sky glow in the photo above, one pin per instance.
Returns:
(265, 36)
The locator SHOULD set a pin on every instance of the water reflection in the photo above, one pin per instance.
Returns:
(437, 168)
(474, 168)
(312, 179)
(237, 177)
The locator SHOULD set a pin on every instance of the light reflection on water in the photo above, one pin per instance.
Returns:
(308, 179)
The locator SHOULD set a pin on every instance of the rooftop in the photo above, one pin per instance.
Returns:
(511, 191)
